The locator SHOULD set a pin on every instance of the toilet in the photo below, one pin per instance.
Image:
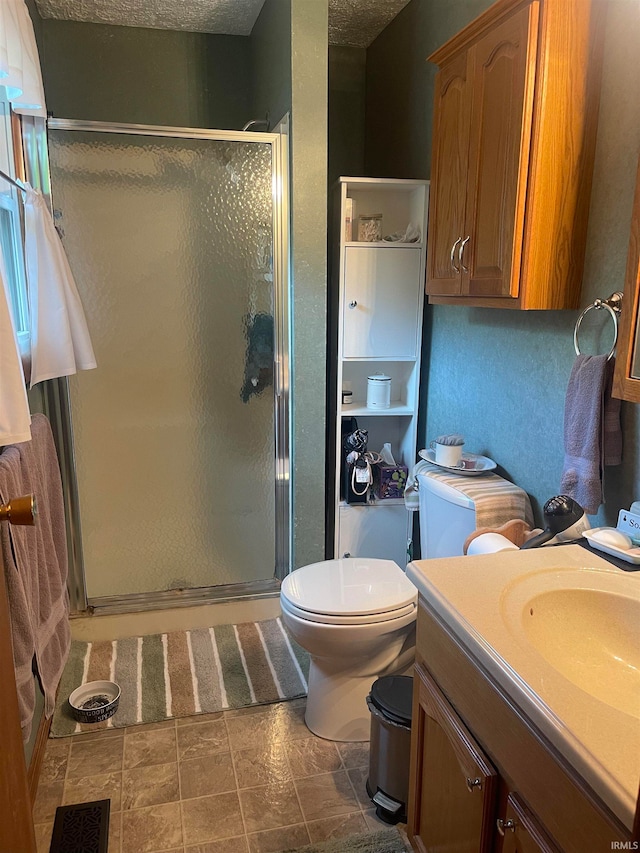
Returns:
(356, 616)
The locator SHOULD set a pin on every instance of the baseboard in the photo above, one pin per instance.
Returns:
(37, 756)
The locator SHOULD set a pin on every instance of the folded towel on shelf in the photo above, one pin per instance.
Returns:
(592, 434)
(35, 568)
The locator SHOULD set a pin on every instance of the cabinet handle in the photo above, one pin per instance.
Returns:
(353, 304)
(473, 783)
(453, 252)
(508, 825)
(461, 252)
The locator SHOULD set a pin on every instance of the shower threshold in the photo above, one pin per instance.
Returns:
(170, 598)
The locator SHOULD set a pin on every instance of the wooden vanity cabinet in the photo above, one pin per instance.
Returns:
(515, 117)
(520, 830)
(482, 777)
(456, 804)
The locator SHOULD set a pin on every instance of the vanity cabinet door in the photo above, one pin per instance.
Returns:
(521, 832)
(453, 786)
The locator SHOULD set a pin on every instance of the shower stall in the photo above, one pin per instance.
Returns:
(178, 241)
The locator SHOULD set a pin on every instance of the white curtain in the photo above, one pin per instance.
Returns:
(15, 420)
(19, 62)
(60, 342)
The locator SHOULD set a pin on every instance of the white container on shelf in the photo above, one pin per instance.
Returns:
(378, 391)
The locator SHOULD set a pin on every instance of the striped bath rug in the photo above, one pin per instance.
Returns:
(186, 672)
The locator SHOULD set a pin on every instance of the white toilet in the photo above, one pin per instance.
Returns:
(356, 616)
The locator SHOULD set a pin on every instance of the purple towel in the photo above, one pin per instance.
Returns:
(592, 436)
(35, 569)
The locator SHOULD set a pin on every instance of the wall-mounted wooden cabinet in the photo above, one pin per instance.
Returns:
(515, 119)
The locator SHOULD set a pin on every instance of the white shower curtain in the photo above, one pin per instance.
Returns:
(19, 61)
(60, 342)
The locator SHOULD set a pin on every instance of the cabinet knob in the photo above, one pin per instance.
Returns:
(461, 253)
(453, 253)
(473, 783)
(505, 825)
(353, 304)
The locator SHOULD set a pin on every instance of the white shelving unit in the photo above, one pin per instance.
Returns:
(376, 312)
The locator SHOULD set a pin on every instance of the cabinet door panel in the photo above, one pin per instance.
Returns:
(522, 832)
(453, 784)
(381, 300)
(448, 176)
(374, 531)
(500, 138)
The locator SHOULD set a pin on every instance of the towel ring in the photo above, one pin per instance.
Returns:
(614, 306)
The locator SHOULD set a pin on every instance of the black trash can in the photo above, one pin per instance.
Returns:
(390, 704)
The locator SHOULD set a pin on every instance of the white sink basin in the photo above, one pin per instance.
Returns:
(590, 635)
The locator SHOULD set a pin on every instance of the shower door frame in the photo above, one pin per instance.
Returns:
(57, 399)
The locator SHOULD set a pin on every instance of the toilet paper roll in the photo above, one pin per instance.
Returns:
(490, 543)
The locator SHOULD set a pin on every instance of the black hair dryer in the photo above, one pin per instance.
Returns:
(564, 520)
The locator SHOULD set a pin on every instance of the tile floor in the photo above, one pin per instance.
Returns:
(248, 781)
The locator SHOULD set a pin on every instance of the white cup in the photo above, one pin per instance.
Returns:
(449, 455)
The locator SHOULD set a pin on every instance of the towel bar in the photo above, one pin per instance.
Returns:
(614, 306)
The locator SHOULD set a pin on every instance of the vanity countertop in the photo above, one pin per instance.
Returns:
(558, 629)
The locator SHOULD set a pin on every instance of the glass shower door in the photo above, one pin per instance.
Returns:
(171, 244)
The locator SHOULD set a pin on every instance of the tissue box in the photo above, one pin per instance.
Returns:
(389, 481)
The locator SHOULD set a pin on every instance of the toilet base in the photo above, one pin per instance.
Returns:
(337, 704)
(337, 701)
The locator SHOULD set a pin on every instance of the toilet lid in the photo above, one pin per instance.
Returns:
(356, 586)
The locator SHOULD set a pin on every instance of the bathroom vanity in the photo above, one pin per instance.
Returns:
(526, 720)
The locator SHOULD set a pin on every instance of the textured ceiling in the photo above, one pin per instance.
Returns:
(353, 22)
(358, 22)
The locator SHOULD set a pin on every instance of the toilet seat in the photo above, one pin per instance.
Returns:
(350, 591)
(330, 619)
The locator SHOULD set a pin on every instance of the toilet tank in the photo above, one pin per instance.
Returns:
(448, 516)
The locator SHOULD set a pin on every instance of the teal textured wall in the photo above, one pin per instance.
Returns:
(500, 376)
(144, 76)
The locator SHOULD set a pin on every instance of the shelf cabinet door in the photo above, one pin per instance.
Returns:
(453, 786)
(449, 176)
(521, 832)
(504, 65)
(377, 531)
(381, 302)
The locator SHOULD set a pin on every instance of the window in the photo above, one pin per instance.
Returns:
(11, 242)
